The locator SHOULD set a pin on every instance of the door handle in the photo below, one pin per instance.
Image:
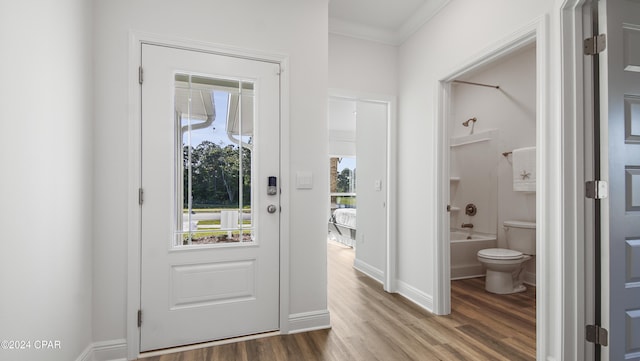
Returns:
(271, 208)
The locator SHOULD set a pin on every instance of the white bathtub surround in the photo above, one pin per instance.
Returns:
(474, 162)
(524, 169)
(464, 262)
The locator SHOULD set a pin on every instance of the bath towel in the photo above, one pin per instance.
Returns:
(524, 169)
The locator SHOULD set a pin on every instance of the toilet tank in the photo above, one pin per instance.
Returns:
(521, 236)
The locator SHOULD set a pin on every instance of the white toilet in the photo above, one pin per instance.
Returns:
(505, 267)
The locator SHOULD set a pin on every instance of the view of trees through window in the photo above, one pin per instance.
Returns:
(215, 175)
(343, 182)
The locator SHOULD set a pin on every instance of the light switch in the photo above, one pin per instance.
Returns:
(377, 185)
(304, 180)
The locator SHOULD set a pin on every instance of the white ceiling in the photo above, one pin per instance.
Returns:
(386, 21)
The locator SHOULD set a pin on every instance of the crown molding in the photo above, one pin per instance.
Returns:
(359, 31)
(426, 12)
(389, 37)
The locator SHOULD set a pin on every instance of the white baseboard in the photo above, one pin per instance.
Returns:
(467, 271)
(112, 350)
(530, 278)
(369, 270)
(309, 321)
(87, 354)
(416, 296)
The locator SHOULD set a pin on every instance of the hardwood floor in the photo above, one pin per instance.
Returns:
(370, 324)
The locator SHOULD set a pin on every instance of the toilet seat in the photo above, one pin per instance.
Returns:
(500, 253)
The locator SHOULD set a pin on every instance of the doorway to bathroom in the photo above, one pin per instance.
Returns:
(489, 115)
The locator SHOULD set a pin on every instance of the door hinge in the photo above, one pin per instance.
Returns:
(596, 334)
(596, 189)
(140, 196)
(140, 75)
(595, 45)
(139, 318)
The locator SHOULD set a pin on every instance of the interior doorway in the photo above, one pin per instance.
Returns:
(531, 36)
(492, 193)
(362, 147)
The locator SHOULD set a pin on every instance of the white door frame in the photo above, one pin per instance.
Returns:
(390, 270)
(576, 111)
(536, 32)
(136, 39)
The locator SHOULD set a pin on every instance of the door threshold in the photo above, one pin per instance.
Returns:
(196, 346)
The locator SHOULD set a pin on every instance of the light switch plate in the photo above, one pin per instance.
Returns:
(304, 180)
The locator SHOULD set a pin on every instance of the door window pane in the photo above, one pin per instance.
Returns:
(214, 137)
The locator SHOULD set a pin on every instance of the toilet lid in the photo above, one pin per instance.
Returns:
(499, 253)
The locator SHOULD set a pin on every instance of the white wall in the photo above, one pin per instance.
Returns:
(342, 127)
(423, 60)
(460, 32)
(512, 110)
(362, 66)
(46, 183)
(295, 28)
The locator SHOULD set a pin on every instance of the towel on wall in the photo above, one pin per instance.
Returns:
(524, 169)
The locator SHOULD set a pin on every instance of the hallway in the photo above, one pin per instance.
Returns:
(370, 324)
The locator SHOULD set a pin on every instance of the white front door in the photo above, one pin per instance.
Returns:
(210, 225)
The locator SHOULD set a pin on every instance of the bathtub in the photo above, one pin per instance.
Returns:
(464, 260)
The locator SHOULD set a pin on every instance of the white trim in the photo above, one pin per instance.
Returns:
(466, 271)
(136, 39)
(87, 354)
(415, 295)
(111, 350)
(576, 298)
(388, 36)
(309, 321)
(530, 278)
(285, 196)
(390, 280)
(362, 32)
(441, 150)
(546, 143)
(426, 12)
(375, 273)
(389, 277)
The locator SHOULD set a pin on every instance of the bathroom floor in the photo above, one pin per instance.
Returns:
(504, 323)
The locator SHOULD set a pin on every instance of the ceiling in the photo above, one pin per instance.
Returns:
(386, 21)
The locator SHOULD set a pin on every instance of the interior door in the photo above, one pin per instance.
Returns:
(210, 221)
(371, 185)
(620, 93)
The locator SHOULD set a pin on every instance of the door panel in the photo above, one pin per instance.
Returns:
(371, 185)
(621, 91)
(210, 249)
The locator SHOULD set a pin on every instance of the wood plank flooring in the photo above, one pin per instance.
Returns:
(370, 324)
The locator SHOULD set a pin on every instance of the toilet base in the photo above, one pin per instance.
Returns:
(503, 283)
